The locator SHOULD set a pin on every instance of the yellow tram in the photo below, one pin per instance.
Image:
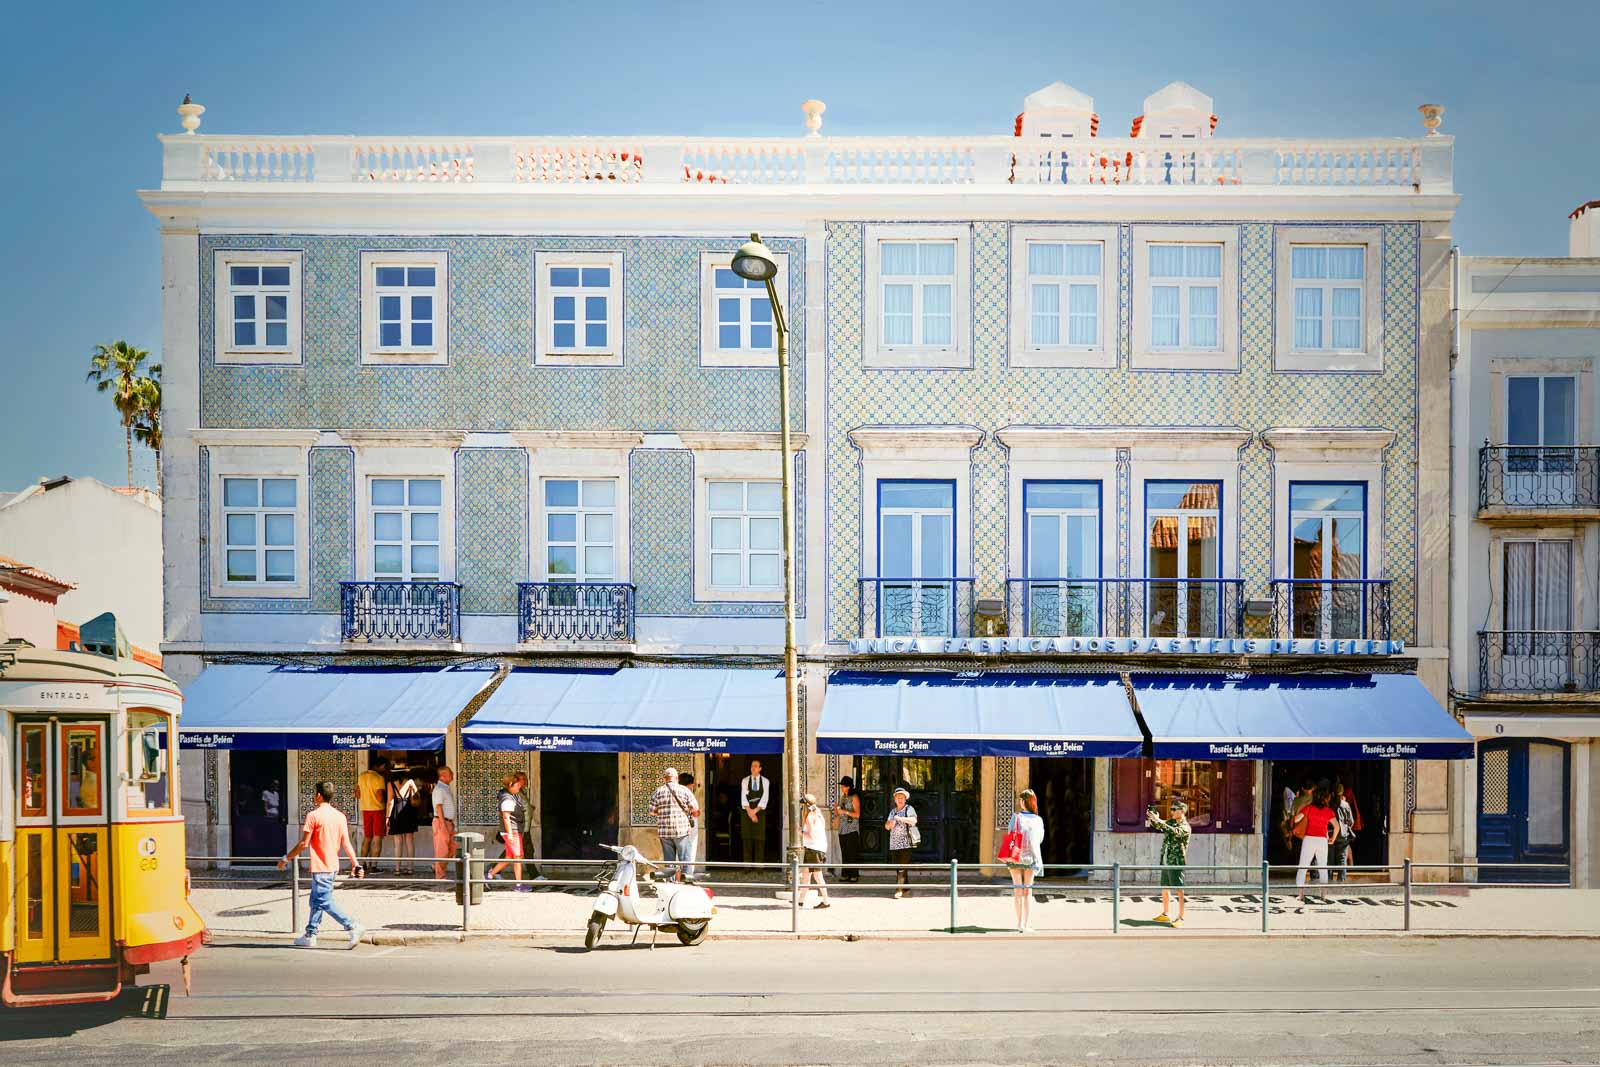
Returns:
(91, 828)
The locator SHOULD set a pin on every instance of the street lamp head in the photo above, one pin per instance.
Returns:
(754, 261)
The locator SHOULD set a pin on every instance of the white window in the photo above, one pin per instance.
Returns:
(404, 307)
(1327, 296)
(580, 307)
(257, 296)
(746, 535)
(739, 330)
(1185, 296)
(259, 531)
(580, 518)
(1066, 310)
(1185, 285)
(1328, 300)
(406, 517)
(917, 296)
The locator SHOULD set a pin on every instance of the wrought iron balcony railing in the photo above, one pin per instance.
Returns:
(1522, 476)
(1539, 661)
(1125, 607)
(1338, 609)
(575, 611)
(400, 611)
(916, 607)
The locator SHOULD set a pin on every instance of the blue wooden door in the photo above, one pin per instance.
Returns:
(1524, 813)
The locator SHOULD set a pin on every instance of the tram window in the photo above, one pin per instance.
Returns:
(82, 771)
(35, 802)
(149, 750)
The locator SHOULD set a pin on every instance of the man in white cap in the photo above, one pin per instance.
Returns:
(676, 811)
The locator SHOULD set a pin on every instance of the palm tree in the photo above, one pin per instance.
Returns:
(114, 369)
(147, 427)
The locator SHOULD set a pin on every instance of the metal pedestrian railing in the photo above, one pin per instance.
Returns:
(1252, 891)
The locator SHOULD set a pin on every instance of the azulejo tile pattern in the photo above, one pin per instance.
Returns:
(491, 528)
(332, 524)
(992, 395)
(644, 775)
(1005, 791)
(491, 382)
(478, 784)
(340, 768)
(662, 531)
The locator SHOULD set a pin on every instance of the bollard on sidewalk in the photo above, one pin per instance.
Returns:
(1266, 894)
(294, 894)
(794, 894)
(1116, 897)
(954, 866)
(1407, 906)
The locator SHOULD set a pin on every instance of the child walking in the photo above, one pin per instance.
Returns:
(1174, 855)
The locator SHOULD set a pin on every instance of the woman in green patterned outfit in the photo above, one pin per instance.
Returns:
(1175, 834)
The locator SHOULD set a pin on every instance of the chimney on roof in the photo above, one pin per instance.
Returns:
(1057, 110)
(1584, 235)
(1176, 110)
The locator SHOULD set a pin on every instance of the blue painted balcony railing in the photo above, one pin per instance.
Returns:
(1523, 476)
(1337, 609)
(400, 611)
(1538, 661)
(1125, 607)
(916, 607)
(575, 611)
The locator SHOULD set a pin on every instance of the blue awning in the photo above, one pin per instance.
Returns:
(873, 713)
(634, 709)
(1333, 717)
(261, 706)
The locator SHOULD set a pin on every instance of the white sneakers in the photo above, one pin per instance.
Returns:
(305, 941)
(355, 935)
(309, 940)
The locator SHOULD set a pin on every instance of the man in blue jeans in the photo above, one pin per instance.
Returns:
(326, 833)
(675, 810)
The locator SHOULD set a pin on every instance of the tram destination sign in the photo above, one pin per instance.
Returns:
(1124, 646)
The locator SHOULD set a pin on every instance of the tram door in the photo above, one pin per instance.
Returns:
(63, 841)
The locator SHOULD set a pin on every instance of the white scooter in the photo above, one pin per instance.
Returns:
(682, 907)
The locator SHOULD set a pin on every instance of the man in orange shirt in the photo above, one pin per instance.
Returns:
(326, 833)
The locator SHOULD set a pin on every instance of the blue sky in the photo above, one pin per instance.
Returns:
(88, 87)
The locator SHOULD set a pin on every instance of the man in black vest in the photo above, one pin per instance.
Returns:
(754, 792)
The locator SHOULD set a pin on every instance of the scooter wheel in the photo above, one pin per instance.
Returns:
(692, 933)
(597, 924)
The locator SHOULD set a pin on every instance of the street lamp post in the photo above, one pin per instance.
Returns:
(754, 262)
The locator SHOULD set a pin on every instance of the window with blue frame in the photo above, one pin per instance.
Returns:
(1327, 558)
(916, 589)
(1061, 530)
(1183, 559)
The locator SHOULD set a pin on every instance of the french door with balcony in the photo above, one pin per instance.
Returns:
(63, 887)
(1327, 557)
(916, 558)
(1062, 550)
(1183, 559)
(1538, 647)
(1541, 430)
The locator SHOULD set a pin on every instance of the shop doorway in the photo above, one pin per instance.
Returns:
(1523, 809)
(1367, 779)
(945, 792)
(577, 804)
(724, 808)
(1065, 788)
(257, 805)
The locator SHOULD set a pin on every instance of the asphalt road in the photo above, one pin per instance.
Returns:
(925, 1002)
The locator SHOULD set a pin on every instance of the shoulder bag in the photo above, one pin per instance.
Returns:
(676, 799)
(912, 833)
(1012, 845)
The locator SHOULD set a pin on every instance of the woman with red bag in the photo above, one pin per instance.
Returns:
(1022, 853)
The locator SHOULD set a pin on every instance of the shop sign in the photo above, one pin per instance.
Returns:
(50, 696)
(208, 740)
(1123, 646)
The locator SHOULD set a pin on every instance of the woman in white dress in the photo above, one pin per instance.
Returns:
(1031, 863)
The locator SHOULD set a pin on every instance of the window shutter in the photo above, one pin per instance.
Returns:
(1129, 793)
(1238, 797)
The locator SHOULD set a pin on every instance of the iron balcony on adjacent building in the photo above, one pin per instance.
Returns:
(1526, 483)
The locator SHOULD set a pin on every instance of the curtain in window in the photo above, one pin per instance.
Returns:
(1347, 263)
(1202, 261)
(936, 314)
(1082, 260)
(1203, 317)
(1166, 261)
(1045, 259)
(897, 314)
(1307, 317)
(1552, 585)
(1164, 315)
(899, 257)
(1346, 318)
(1082, 301)
(1519, 585)
(1308, 262)
(936, 258)
(1047, 314)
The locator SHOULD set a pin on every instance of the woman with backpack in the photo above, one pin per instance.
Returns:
(1025, 856)
(403, 822)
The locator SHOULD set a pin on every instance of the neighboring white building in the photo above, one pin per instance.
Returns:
(1525, 573)
(28, 598)
(105, 540)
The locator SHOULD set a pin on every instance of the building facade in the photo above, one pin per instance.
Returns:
(1526, 519)
(1067, 410)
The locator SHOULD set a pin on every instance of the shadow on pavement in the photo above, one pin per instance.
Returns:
(1146, 922)
(31, 1024)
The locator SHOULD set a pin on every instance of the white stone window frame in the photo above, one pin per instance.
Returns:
(407, 542)
(436, 354)
(1580, 368)
(1024, 353)
(546, 354)
(712, 354)
(251, 460)
(955, 356)
(750, 464)
(1225, 357)
(581, 511)
(381, 462)
(578, 455)
(225, 352)
(1043, 455)
(259, 546)
(1286, 357)
(746, 515)
(916, 453)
